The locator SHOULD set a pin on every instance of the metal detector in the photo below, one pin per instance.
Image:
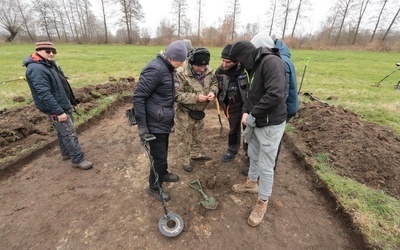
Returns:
(170, 224)
(391, 73)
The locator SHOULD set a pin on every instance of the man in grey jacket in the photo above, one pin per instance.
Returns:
(264, 113)
(53, 96)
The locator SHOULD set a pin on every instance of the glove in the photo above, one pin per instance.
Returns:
(247, 134)
(250, 121)
(143, 131)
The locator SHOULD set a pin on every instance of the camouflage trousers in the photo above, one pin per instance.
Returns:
(189, 134)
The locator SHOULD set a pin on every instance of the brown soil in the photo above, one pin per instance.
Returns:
(47, 204)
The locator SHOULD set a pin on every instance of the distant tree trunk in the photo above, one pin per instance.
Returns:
(384, 2)
(363, 7)
(104, 20)
(235, 13)
(25, 20)
(199, 20)
(272, 18)
(391, 24)
(345, 10)
(132, 13)
(179, 10)
(69, 21)
(285, 19)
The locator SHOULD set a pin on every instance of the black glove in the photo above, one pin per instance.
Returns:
(143, 131)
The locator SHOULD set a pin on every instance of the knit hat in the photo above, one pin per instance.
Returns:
(226, 52)
(262, 39)
(44, 44)
(199, 56)
(188, 44)
(176, 51)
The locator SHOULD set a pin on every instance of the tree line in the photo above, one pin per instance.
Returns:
(348, 22)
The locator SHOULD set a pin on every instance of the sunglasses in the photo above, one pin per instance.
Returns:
(51, 51)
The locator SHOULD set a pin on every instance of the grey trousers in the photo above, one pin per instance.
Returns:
(262, 151)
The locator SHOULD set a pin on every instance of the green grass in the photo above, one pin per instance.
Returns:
(350, 76)
(376, 214)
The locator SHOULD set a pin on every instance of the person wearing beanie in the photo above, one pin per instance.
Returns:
(232, 88)
(153, 102)
(292, 98)
(196, 88)
(53, 96)
(262, 39)
(264, 115)
(189, 46)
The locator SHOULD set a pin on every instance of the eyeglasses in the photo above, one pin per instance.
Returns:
(51, 51)
(201, 66)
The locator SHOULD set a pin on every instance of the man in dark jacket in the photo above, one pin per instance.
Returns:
(262, 39)
(264, 114)
(232, 87)
(53, 96)
(153, 100)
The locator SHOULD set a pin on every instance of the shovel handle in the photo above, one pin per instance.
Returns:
(199, 188)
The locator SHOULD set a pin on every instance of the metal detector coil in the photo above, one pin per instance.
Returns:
(171, 225)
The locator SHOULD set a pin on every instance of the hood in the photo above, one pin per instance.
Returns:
(34, 58)
(244, 52)
(283, 48)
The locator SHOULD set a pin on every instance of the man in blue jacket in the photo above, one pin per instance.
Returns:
(153, 100)
(53, 96)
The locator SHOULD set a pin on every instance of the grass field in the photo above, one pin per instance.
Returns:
(350, 76)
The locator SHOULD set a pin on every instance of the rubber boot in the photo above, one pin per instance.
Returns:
(247, 186)
(257, 215)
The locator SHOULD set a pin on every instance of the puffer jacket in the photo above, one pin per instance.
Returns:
(292, 99)
(153, 97)
(267, 85)
(189, 88)
(46, 87)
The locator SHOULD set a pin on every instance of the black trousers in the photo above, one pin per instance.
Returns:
(159, 152)
(234, 113)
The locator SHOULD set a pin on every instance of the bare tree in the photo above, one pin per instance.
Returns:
(288, 9)
(394, 19)
(344, 8)
(199, 13)
(10, 18)
(384, 2)
(235, 13)
(363, 6)
(300, 7)
(131, 15)
(103, 8)
(271, 12)
(179, 10)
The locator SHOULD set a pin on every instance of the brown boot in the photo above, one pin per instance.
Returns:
(246, 186)
(258, 212)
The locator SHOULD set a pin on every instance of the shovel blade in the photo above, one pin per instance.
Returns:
(209, 203)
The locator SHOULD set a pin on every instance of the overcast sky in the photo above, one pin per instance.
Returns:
(251, 11)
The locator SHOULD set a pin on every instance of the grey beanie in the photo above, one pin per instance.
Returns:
(188, 44)
(176, 51)
(262, 39)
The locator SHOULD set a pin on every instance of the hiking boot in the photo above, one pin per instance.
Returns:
(156, 194)
(65, 157)
(247, 186)
(229, 156)
(188, 168)
(170, 178)
(84, 165)
(201, 158)
(257, 215)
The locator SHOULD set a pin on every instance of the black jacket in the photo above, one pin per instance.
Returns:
(153, 98)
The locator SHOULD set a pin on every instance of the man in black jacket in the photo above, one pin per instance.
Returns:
(153, 100)
(232, 87)
(264, 114)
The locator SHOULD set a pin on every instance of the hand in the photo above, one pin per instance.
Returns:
(203, 98)
(143, 131)
(247, 134)
(62, 118)
(250, 121)
(210, 96)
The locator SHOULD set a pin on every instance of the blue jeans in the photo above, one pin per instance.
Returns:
(67, 139)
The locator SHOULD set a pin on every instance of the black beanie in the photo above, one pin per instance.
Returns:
(226, 52)
(200, 56)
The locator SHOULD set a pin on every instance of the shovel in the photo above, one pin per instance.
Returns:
(208, 202)
(316, 99)
(219, 117)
